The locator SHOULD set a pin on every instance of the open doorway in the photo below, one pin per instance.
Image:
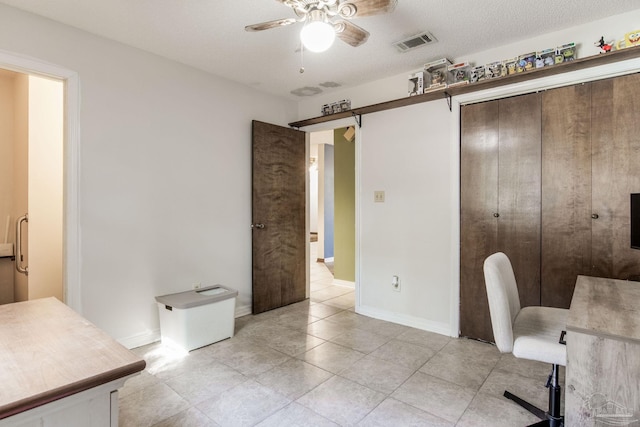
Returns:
(332, 211)
(31, 188)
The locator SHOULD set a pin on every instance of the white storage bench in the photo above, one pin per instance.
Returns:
(193, 319)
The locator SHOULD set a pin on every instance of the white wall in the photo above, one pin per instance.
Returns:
(409, 234)
(413, 154)
(165, 178)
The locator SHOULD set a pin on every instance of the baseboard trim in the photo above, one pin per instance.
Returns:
(242, 311)
(141, 339)
(406, 320)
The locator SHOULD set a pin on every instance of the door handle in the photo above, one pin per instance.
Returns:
(258, 225)
(595, 216)
(24, 270)
(496, 215)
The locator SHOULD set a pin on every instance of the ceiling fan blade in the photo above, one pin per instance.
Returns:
(270, 24)
(350, 33)
(365, 7)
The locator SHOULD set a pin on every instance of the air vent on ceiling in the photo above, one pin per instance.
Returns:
(415, 42)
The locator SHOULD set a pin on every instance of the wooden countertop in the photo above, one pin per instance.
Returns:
(606, 307)
(48, 351)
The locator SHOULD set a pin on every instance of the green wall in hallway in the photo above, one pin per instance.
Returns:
(344, 207)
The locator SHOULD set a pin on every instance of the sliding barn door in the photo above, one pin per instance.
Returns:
(566, 192)
(499, 202)
(616, 174)
(278, 216)
(479, 207)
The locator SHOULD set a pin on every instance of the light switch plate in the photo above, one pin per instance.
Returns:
(378, 196)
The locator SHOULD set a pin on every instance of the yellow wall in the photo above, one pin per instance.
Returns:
(344, 207)
(45, 187)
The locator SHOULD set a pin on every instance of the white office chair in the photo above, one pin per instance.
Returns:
(534, 333)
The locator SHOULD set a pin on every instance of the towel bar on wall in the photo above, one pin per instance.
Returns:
(24, 270)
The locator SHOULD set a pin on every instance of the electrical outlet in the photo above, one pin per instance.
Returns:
(395, 283)
(378, 196)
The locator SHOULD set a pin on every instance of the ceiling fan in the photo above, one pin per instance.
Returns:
(326, 19)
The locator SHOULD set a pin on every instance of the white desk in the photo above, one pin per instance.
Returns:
(603, 354)
(57, 369)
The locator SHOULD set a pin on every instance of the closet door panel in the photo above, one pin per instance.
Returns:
(616, 174)
(479, 202)
(519, 191)
(566, 192)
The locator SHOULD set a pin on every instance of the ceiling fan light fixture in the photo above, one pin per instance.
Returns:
(317, 35)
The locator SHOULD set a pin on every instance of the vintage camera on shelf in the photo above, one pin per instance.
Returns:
(436, 74)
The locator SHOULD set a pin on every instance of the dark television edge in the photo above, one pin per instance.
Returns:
(635, 220)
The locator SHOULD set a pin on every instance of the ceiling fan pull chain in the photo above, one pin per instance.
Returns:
(301, 58)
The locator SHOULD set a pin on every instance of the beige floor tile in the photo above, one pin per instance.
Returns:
(244, 405)
(331, 357)
(293, 342)
(329, 292)
(205, 382)
(348, 320)
(404, 353)
(294, 378)
(392, 412)
(325, 329)
(137, 383)
(360, 340)
(438, 397)
(487, 410)
(343, 301)
(321, 310)
(530, 389)
(342, 401)
(380, 327)
(149, 406)
(189, 418)
(425, 338)
(377, 374)
(249, 358)
(465, 370)
(296, 415)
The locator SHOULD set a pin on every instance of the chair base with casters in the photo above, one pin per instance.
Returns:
(533, 333)
(552, 417)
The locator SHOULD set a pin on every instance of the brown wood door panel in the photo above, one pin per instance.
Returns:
(616, 174)
(278, 203)
(566, 192)
(519, 191)
(478, 201)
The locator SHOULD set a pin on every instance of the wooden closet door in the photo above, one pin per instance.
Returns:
(566, 192)
(519, 166)
(478, 202)
(616, 174)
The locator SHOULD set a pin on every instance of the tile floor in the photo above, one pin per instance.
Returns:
(318, 363)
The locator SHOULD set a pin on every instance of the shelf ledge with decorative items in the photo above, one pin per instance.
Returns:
(532, 66)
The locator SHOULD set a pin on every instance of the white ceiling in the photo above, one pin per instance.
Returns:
(209, 34)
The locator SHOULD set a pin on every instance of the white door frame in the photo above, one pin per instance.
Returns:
(336, 124)
(71, 146)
